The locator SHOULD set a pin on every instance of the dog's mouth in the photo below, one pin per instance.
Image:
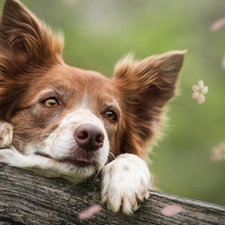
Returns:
(81, 162)
(43, 155)
(77, 161)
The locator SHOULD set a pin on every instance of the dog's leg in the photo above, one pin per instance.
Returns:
(6, 134)
(125, 183)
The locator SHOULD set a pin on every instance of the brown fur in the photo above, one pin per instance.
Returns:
(30, 61)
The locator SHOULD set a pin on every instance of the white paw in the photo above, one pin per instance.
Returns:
(125, 183)
(6, 134)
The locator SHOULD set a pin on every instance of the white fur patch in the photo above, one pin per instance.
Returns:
(6, 134)
(125, 183)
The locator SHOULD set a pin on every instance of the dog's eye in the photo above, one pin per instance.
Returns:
(50, 102)
(111, 115)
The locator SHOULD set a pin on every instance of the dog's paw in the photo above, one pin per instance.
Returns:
(125, 183)
(6, 134)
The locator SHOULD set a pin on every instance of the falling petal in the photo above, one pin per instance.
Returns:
(171, 210)
(200, 98)
(223, 62)
(89, 212)
(200, 84)
(195, 95)
(218, 152)
(195, 88)
(204, 90)
(218, 24)
(199, 91)
(215, 154)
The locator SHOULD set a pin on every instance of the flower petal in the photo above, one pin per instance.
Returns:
(218, 24)
(195, 95)
(204, 90)
(171, 210)
(223, 62)
(200, 98)
(90, 212)
(200, 84)
(218, 152)
(195, 88)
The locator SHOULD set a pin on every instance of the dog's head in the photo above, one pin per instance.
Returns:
(70, 117)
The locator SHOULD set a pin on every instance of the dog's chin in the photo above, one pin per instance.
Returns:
(75, 169)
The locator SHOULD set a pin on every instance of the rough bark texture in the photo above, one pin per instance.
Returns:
(27, 198)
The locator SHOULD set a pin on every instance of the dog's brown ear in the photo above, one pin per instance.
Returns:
(145, 87)
(24, 40)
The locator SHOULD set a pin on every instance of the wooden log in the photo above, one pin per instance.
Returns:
(28, 198)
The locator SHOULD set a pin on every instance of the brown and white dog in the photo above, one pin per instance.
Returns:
(63, 121)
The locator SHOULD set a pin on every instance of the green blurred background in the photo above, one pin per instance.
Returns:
(99, 32)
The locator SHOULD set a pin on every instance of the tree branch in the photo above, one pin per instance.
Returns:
(27, 198)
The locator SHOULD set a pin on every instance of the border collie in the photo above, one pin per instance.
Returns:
(60, 120)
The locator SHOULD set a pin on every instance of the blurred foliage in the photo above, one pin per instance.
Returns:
(98, 33)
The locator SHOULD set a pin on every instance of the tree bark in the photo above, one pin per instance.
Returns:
(27, 198)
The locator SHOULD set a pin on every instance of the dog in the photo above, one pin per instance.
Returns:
(59, 120)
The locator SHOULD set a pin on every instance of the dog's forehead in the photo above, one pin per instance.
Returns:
(78, 86)
(88, 83)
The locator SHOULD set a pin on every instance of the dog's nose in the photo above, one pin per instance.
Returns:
(89, 137)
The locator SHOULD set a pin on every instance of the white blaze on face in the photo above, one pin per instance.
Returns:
(61, 142)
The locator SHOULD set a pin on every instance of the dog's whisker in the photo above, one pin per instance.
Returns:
(90, 180)
(97, 173)
(111, 154)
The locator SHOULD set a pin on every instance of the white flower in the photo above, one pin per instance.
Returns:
(218, 152)
(199, 91)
